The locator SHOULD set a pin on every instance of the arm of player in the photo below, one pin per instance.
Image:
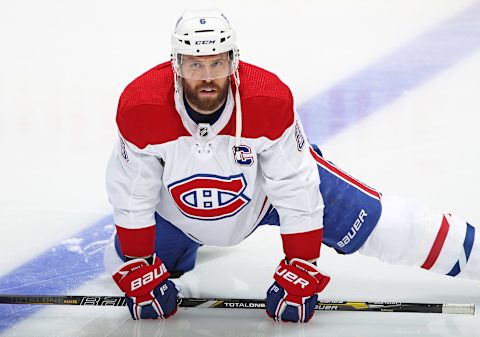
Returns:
(133, 181)
(133, 184)
(292, 186)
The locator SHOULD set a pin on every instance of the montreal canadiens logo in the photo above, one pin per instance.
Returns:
(209, 197)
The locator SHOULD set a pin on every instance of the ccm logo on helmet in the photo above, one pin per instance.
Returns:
(291, 277)
(205, 42)
(209, 197)
(149, 277)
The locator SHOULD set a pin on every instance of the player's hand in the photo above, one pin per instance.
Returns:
(293, 295)
(149, 292)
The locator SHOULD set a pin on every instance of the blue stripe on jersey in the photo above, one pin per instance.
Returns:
(469, 239)
(467, 246)
(455, 270)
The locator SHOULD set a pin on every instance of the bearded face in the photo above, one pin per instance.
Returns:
(206, 80)
(206, 96)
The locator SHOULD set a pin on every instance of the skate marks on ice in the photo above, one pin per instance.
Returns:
(63, 267)
(229, 272)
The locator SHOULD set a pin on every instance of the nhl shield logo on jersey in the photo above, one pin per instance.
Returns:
(209, 197)
(203, 129)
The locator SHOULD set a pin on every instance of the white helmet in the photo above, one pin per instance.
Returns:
(200, 33)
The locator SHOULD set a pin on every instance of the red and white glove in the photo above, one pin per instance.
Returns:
(293, 295)
(149, 292)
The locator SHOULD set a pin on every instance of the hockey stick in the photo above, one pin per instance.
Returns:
(224, 303)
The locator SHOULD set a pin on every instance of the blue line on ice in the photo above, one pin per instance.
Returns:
(394, 75)
(64, 267)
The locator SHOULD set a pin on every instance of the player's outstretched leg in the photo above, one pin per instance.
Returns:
(410, 233)
(394, 229)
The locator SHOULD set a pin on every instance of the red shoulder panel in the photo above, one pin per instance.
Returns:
(146, 111)
(147, 114)
(267, 104)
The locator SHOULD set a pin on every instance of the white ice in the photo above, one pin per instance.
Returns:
(63, 66)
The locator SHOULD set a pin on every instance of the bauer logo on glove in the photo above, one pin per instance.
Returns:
(149, 292)
(291, 277)
(156, 274)
(293, 295)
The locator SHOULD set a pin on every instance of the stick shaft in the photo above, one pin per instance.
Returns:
(224, 303)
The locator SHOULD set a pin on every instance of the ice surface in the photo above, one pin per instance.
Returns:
(64, 65)
(227, 272)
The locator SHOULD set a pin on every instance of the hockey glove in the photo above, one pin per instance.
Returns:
(148, 291)
(292, 297)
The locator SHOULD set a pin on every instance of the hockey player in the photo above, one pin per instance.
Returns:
(210, 148)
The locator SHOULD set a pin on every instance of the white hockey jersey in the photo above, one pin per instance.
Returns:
(166, 163)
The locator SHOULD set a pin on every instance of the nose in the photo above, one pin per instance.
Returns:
(208, 75)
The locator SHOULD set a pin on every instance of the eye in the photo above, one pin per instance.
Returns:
(217, 63)
(195, 65)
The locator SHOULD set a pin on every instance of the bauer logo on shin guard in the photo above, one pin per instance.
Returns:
(353, 230)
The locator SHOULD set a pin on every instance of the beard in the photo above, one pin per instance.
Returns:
(209, 103)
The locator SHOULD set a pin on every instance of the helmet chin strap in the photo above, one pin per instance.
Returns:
(238, 115)
(176, 81)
